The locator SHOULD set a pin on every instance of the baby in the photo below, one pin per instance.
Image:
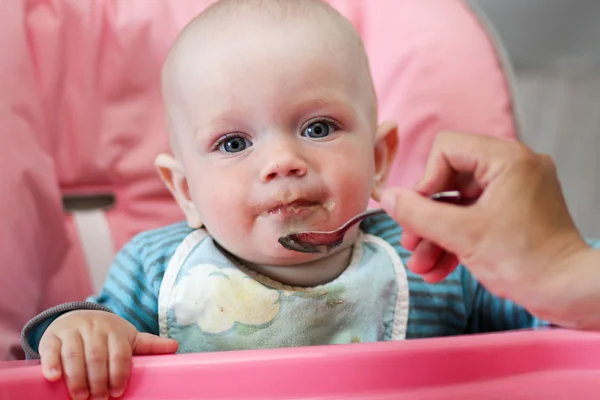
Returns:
(273, 122)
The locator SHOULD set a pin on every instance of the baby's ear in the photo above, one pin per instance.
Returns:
(171, 172)
(386, 144)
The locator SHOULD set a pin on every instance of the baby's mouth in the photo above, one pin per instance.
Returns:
(296, 208)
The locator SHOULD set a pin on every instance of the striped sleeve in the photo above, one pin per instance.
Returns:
(457, 305)
(435, 310)
(133, 283)
(490, 313)
(131, 288)
(127, 291)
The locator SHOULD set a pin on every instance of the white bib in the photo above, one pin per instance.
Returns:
(208, 303)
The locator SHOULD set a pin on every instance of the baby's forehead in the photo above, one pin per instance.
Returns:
(303, 30)
(228, 21)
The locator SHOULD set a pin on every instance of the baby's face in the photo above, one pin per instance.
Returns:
(280, 139)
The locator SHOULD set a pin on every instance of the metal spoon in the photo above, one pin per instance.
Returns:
(323, 242)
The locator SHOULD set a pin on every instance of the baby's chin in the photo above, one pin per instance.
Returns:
(267, 250)
(260, 245)
(276, 254)
(270, 252)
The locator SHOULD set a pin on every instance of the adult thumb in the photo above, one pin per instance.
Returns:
(147, 344)
(441, 223)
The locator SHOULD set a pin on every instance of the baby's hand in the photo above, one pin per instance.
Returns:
(93, 350)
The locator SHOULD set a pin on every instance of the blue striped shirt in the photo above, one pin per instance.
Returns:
(457, 305)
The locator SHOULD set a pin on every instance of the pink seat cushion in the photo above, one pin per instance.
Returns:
(33, 239)
(84, 92)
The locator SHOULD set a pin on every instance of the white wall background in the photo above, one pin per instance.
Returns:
(555, 48)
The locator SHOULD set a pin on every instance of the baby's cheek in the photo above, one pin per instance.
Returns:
(223, 214)
(230, 229)
(352, 173)
(353, 192)
(227, 216)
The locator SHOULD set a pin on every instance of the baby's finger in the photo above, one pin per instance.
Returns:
(119, 364)
(73, 362)
(96, 357)
(50, 355)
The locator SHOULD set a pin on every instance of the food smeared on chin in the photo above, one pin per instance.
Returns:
(330, 205)
(291, 205)
(289, 212)
(295, 207)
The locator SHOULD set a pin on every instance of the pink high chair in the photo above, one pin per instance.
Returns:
(81, 120)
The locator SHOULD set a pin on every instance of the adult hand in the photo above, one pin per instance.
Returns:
(517, 238)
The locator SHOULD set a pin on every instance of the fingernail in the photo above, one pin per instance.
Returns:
(53, 373)
(388, 200)
(116, 393)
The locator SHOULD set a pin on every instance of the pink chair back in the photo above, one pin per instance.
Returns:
(81, 115)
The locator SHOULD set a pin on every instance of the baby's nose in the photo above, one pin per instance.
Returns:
(283, 163)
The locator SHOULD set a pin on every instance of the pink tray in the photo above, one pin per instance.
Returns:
(549, 364)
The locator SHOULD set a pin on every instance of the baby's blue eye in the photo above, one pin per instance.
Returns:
(318, 130)
(235, 144)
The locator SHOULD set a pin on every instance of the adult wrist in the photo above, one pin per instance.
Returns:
(570, 297)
